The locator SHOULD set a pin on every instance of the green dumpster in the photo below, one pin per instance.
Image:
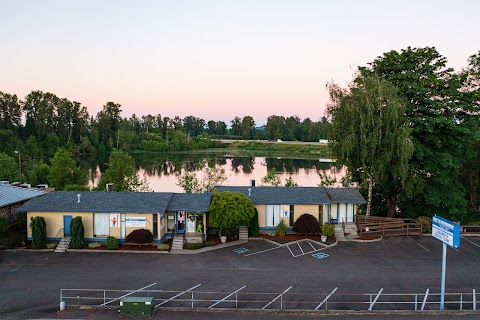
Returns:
(136, 306)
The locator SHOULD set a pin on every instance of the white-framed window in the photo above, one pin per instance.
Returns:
(101, 224)
(275, 213)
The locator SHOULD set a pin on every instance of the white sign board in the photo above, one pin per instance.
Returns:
(136, 222)
(446, 231)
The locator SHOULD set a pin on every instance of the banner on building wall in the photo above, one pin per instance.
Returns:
(114, 220)
(135, 222)
(162, 220)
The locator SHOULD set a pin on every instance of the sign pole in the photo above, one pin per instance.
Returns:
(444, 267)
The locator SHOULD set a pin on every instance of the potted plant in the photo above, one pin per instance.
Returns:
(328, 230)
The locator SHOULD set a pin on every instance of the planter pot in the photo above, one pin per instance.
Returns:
(323, 238)
(223, 239)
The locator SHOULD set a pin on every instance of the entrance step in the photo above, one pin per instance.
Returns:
(243, 233)
(177, 242)
(63, 244)
(339, 234)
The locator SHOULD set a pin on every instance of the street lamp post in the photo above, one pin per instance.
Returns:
(19, 165)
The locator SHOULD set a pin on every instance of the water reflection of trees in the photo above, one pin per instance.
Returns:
(294, 165)
(173, 163)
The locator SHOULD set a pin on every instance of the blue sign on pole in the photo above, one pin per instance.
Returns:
(449, 233)
(446, 231)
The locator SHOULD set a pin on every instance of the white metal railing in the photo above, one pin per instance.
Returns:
(282, 300)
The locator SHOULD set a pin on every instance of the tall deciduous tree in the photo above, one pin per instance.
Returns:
(440, 112)
(210, 177)
(229, 210)
(10, 111)
(121, 172)
(8, 168)
(369, 131)
(64, 171)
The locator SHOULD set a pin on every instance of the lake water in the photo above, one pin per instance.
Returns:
(161, 170)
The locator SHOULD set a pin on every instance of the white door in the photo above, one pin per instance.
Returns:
(101, 223)
(343, 212)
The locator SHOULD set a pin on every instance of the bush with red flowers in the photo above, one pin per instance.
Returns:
(306, 224)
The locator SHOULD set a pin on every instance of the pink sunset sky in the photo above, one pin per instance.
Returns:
(216, 59)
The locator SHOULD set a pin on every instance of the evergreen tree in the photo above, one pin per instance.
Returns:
(77, 232)
(39, 232)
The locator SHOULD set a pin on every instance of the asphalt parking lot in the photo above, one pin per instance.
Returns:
(31, 281)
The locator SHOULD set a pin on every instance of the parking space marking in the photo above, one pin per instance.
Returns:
(470, 241)
(251, 254)
(418, 243)
(281, 294)
(320, 255)
(240, 250)
(125, 295)
(326, 298)
(178, 295)
(298, 243)
(311, 245)
(303, 252)
(231, 294)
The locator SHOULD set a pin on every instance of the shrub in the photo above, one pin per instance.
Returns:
(3, 227)
(307, 224)
(254, 228)
(94, 244)
(426, 224)
(21, 223)
(12, 241)
(281, 229)
(78, 233)
(192, 246)
(51, 245)
(328, 230)
(163, 246)
(112, 243)
(140, 236)
(229, 232)
(209, 243)
(39, 232)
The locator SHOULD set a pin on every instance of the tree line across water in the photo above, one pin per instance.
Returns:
(407, 128)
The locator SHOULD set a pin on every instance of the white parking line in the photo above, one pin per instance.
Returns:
(298, 243)
(231, 294)
(251, 254)
(276, 298)
(178, 295)
(326, 298)
(470, 241)
(311, 245)
(418, 243)
(125, 295)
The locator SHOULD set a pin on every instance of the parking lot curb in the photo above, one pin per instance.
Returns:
(367, 241)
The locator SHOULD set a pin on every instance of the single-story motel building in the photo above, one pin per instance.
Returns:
(165, 214)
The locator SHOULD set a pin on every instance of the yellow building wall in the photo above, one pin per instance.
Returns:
(54, 222)
(300, 209)
(261, 214)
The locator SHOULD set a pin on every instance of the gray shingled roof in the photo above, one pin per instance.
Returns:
(10, 194)
(345, 195)
(198, 202)
(122, 202)
(281, 195)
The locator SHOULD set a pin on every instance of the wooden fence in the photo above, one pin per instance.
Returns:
(387, 227)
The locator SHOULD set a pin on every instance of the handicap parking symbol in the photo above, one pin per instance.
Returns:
(320, 255)
(240, 250)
